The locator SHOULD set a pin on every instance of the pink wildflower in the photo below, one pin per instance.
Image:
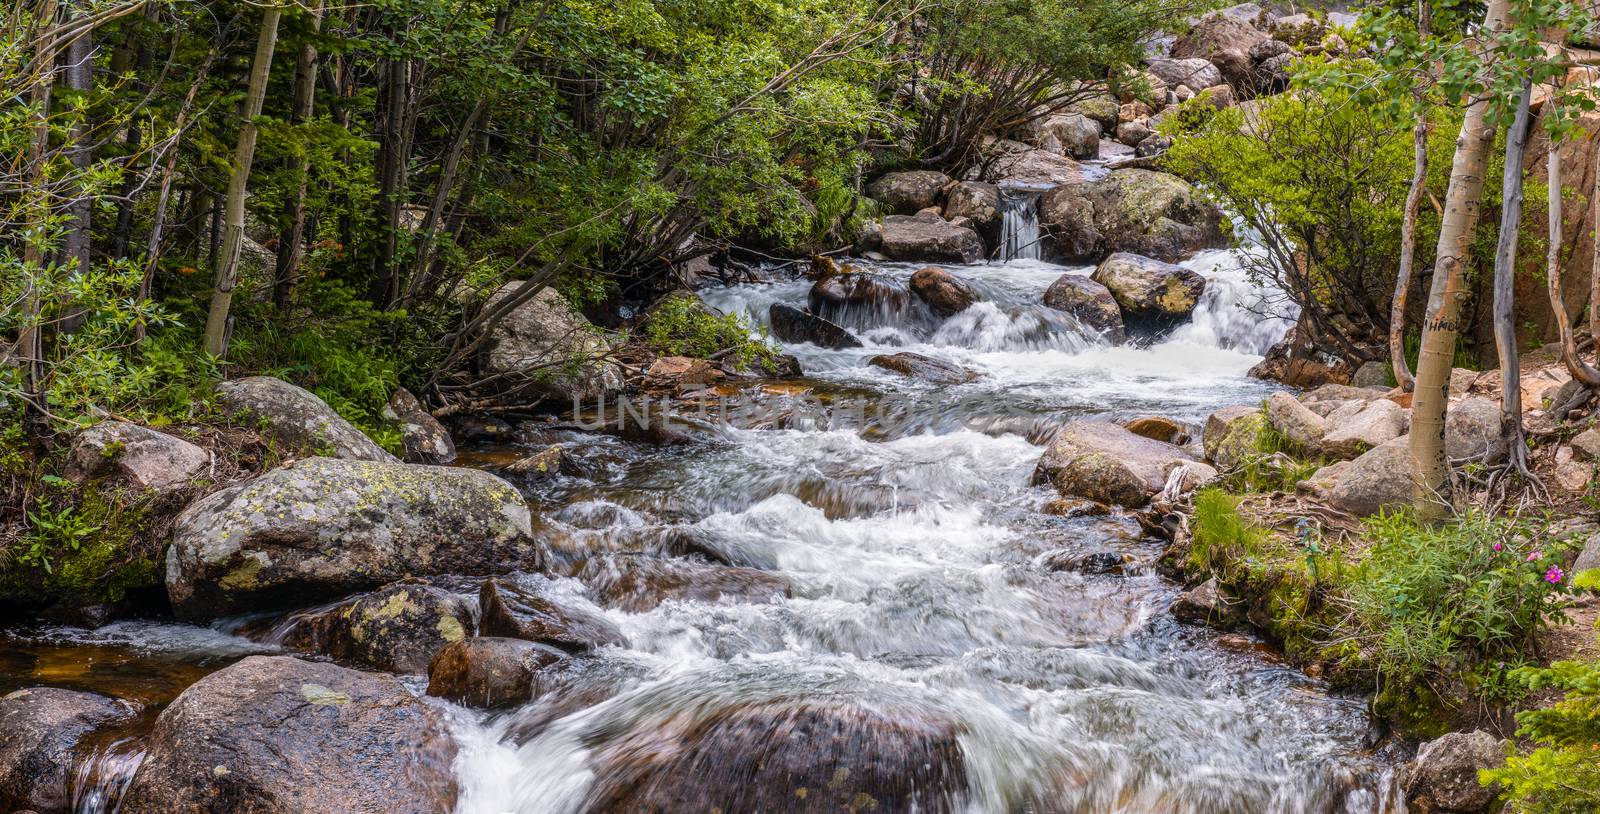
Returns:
(1554, 575)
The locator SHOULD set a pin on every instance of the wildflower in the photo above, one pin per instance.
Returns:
(1498, 545)
(1535, 555)
(1554, 575)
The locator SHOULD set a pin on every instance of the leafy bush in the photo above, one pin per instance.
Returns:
(1446, 597)
(1561, 775)
(684, 326)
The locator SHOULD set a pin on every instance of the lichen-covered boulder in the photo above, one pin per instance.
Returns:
(545, 348)
(1144, 212)
(977, 201)
(1103, 461)
(1231, 434)
(944, 293)
(528, 612)
(910, 192)
(1099, 106)
(798, 756)
(323, 527)
(1193, 72)
(1443, 779)
(1296, 422)
(277, 735)
(396, 629)
(143, 457)
(296, 419)
(1089, 301)
(1370, 424)
(1382, 478)
(790, 324)
(426, 440)
(1072, 134)
(1150, 290)
(924, 237)
(39, 727)
(1016, 163)
(925, 368)
(490, 671)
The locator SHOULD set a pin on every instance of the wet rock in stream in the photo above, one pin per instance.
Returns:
(515, 611)
(39, 727)
(490, 671)
(1102, 461)
(397, 629)
(924, 368)
(791, 324)
(638, 584)
(277, 735)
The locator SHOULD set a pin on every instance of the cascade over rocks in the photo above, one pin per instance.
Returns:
(1150, 290)
(397, 629)
(516, 611)
(638, 584)
(426, 440)
(277, 735)
(1131, 210)
(797, 756)
(924, 237)
(1103, 461)
(840, 295)
(790, 324)
(550, 349)
(39, 727)
(907, 193)
(490, 671)
(143, 457)
(1089, 301)
(297, 420)
(926, 368)
(323, 527)
(945, 293)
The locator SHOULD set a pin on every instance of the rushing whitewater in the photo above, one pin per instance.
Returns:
(916, 551)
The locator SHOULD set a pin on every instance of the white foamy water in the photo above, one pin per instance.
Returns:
(915, 548)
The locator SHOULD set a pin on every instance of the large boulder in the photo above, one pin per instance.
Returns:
(924, 237)
(790, 324)
(638, 584)
(1145, 212)
(1089, 301)
(1015, 163)
(39, 728)
(516, 611)
(1149, 290)
(1226, 42)
(1223, 423)
(1098, 105)
(944, 292)
(1193, 73)
(297, 420)
(143, 457)
(925, 368)
(544, 348)
(1472, 431)
(1380, 479)
(1297, 423)
(798, 756)
(426, 440)
(908, 193)
(1369, 424)
(1443, 779)
(490, 671)
(978, 201)
(1072, 134)
(323, 527)
(396, 629)
(1103, 461)
(841, 296)
(277, 735)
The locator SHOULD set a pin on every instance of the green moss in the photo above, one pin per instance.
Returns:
(116, 556)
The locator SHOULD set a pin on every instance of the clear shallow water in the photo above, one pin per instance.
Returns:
(901, 514)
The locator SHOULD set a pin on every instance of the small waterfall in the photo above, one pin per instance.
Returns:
(1019, 224)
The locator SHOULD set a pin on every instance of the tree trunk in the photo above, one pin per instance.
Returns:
(291, 241)
(1463, 202)
(1576, 366)
(1505, 257)
(1408, 225)
(227, 265)
(1594, 260)
(79, 75)
(30, 338)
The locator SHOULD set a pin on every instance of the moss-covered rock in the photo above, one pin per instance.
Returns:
(398, 628)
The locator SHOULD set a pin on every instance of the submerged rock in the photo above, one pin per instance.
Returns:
(1089, 301)
(1103, 461)
(638, 584)
(909, 192)
(39, 727)
(925, 368)
(547, 349)
(397, 629)
(790, 324)
(1150, 290)
(323, 527)
(277, 735)
(791, 756)
(853, 292)
(426, 440)
(944, 293)
(297, 420)
(514, 611)
(924, 237)
(490, 671)
(143, 457)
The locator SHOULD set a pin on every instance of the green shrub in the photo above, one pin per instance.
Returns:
(683, 326)
(1562, 774)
